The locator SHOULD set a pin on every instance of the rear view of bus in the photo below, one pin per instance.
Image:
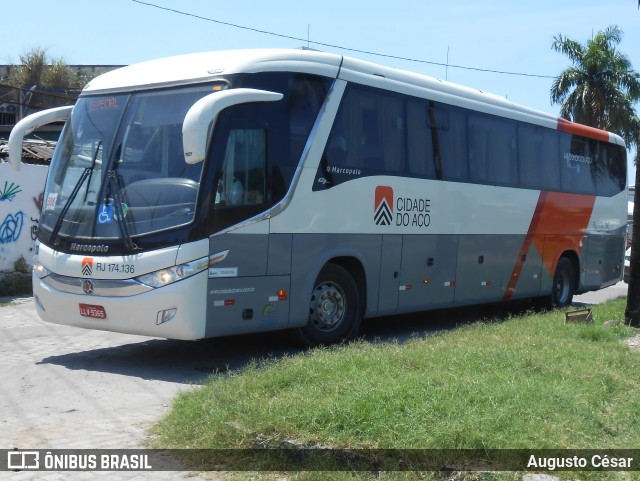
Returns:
(246, 191)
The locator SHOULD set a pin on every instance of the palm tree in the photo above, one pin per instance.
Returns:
(600, 87)
(599, 90)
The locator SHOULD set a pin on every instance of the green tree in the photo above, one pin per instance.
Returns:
(37, 68)
(36, 75)
(600, 89)
(31, 68)
(59, 75)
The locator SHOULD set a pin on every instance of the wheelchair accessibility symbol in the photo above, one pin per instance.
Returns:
(105, 214)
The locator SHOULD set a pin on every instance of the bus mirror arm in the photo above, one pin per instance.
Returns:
(28, 125)
(202, 114)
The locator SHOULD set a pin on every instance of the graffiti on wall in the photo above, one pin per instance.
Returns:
(9, 191)
(11, 228)
(21, 197)
(39, 200)
(34, 229)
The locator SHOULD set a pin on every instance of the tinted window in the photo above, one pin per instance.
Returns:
(492, 150)
(577, 158)
(367, 138)
(256, 147)
(611, 169)
(422, 145)
(538, 154)
(452, 142)
(384, 133)
(290, 119)
(242, 178)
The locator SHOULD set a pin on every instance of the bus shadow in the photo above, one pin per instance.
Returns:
(190, 362)
(405, 327)
(193, 362)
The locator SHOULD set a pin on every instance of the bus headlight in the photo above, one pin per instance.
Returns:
(170, 275)
(40, 270)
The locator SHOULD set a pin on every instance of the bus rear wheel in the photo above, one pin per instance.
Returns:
(564, 285)
(334, 308)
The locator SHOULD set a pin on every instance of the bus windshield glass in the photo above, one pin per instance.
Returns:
(120, 167)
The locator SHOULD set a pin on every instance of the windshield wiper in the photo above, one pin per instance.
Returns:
(56, 229)
(87, 172)
(93, 164)
(114, 187)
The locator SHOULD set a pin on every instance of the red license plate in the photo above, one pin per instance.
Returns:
(90, 310)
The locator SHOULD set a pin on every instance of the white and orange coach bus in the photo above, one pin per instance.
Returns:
(244, 191)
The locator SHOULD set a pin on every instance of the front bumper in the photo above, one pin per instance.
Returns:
(137, 314)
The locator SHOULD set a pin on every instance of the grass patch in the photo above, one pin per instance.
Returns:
(527, 382)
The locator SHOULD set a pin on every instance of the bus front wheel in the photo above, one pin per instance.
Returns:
(334, 308)
(563, 283)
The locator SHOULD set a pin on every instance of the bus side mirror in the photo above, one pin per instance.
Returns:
(28, 125)
(202, 114)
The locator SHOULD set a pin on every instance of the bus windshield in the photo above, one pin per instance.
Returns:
(120, 169)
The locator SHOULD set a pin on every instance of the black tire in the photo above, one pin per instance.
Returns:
(334, 309)
(564, 284)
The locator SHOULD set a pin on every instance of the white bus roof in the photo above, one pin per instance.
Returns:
(207, 66)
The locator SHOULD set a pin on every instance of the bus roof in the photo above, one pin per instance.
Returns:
(207, 66)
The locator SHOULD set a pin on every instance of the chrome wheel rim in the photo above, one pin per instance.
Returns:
(328, 306)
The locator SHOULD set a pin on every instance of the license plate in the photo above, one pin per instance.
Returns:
(93, 311)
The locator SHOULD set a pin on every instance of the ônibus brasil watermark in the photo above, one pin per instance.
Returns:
(293, 457)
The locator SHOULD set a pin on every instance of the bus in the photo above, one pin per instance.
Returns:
(245, 191)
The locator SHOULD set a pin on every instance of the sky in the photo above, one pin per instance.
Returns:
(499, 35)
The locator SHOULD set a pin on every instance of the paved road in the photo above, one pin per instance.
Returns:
(619, 290)
(67, 388)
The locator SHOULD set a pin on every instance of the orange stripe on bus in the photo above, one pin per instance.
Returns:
(583, 130)
(559, 224)
(563, 225)
(515, 275)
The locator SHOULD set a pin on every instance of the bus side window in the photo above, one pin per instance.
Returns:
(391, 113)
(453, 147)
(538, 158)
(547, 151)
(492, 150)
(609, 171)
(337, 151)
(613, 179)
(341, 150)
(367, 138)
(242, 180)
(423, 146)
(577, 161)
(371, 137)
(346, 134)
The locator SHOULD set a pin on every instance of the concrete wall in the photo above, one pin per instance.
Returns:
(21, 195)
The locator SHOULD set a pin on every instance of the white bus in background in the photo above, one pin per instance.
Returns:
(244, 191)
